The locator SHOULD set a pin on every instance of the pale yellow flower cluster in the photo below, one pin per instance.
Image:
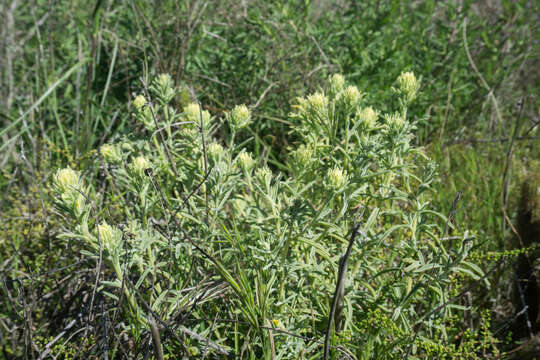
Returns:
(336, 178)
(111, 153)
(140, 164)
(239, 117)
(215, 151)
(337, 83)
(164, 81)
(139, 102)
(395, 120)
(368, 116)
(409, 85)
(352, 95)
(68, 186)
(109, 235)
(66, 180)
(303, 155)
(194, 113)
(245, 161)
(318, 101)
(144, 112)
(264, 175)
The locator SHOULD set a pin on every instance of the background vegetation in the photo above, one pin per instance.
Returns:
(70, 72)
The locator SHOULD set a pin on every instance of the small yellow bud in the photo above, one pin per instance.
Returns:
(352, 95)
(337, 82)
(65, 180)
(111, 153)
(336, 178)
(245, 161)
(409, 85)
(139, 102)
(140, 164)
(193, 112)
(368, 117)
(239, 117)
(215, 151)
(395, 121)
(318, 101)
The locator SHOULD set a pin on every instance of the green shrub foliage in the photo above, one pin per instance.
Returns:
(192, 229)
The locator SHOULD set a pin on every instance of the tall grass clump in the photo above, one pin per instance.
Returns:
(212, 251)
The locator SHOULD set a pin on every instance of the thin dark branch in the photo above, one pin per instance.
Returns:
(339, 286)
(155, 337)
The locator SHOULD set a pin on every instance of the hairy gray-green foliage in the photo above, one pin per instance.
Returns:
(271, 237)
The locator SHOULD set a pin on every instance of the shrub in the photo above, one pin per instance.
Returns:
(241, 255)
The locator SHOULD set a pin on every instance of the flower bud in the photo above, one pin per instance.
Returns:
(337, 83)
(139, 102)
(318, 101)
(193, 112)
(394, 121)
(351, 95)
(215, 151)
(336, 178)
(111, 153)
(368, 117)
(140, 164)
(65, 180)
(239, 117)
(245, 161)
(409, 85)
